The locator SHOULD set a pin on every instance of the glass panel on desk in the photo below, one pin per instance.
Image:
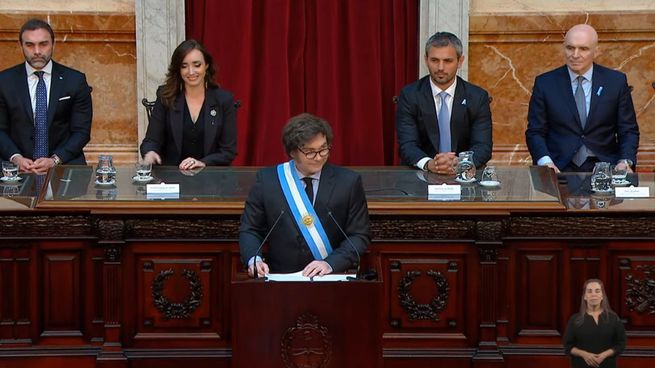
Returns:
(381, 184)
(20, 194)
(517, 184)
(578, 196)
(208, 184)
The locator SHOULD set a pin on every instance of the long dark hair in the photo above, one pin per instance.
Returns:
(174, 84)
(604, 304)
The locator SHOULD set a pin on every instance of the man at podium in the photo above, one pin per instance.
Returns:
(313, 214)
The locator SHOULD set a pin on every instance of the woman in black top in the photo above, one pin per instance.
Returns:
(594, 336)
(193, 122)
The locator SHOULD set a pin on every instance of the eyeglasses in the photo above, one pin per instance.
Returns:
(312, 154)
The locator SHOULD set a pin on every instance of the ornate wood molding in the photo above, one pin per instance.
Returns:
(428, 311)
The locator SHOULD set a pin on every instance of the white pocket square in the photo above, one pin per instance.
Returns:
(65, 98)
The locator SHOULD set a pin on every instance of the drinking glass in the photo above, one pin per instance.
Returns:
(143, 171)
(601, 177)
(465, 169)
(619, 174)
(489, 177)
(105, 171)
(9, 171)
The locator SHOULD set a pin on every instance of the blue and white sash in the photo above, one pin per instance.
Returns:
(303, 212)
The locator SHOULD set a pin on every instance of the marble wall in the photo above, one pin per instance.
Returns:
(508, 50)
(102, 44)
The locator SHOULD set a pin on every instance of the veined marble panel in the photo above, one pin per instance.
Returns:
(506, 53)
(103, 46)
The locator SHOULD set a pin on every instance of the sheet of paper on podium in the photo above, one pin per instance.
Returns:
(297, 276)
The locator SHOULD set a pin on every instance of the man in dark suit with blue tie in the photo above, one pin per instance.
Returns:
(45, 107)
(582, 113)
(441, 114)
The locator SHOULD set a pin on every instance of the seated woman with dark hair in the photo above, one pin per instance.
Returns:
(193, 122)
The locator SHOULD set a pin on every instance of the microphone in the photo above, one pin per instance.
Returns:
(264, 241)
(349, 243)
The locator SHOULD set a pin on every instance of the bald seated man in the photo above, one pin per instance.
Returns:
(582, 113)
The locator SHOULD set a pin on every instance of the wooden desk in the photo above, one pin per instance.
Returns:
(105, 276)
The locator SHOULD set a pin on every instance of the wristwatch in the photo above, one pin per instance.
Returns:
(56, 159)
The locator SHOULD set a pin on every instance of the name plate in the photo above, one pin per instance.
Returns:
(632, 192)
(444, 192)
(163, 191)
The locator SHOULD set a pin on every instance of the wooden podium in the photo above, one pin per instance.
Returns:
(306, 324)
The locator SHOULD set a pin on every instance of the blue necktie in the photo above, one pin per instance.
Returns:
(581, 103)
(443, 118)
(41, 119)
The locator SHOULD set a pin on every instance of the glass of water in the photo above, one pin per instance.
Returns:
(601, 178)
(143, 171)
(619, 174)
(9, 171)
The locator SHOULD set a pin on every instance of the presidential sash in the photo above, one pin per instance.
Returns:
(303, 212)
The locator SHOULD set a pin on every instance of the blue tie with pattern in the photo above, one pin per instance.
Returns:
(41, 118)
(443, 118)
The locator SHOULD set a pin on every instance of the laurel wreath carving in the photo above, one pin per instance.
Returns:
(172, 310)
(428, 311)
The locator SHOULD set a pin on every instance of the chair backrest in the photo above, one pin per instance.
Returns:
(149, 105)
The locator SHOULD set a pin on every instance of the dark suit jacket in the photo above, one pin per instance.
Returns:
(69, 119)
(554, 126)
(340, 191)
(164, 134)
(418, 130)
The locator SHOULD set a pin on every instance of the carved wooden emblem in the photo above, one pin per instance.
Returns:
(640, 295)
(428, 311)
(307, 344)
(172, 310)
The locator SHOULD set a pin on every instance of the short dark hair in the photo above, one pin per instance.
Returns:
(302, 128)
(443, 39)
(34, 24)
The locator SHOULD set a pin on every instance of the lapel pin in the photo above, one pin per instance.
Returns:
(464, 102)
(212, 112)
(600, 90)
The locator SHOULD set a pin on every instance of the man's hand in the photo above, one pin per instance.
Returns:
(152, 157)
(552, 166)
(24, 164)
(262, 269)
(442, 163)
(624, 165)
(41, 165)
(317, 268)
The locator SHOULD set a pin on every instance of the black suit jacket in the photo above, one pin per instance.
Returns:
(340, 191)
(164, 134)
(418, 130)
(554, 127)
(69, 114)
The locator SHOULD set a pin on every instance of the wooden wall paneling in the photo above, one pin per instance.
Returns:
(178, 299)
(94, 300)
(632, 289)
(17, 294)
(61, 294)
(503, 301)
(537, 297)
(427, 296)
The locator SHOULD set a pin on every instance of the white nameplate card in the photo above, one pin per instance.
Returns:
(162, 191)
(297, 276)
(632, 192)
(444, 192)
